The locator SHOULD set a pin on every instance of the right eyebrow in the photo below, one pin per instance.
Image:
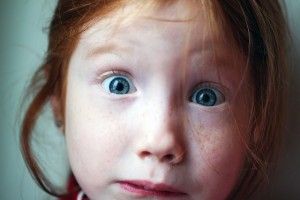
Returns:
(111, 47)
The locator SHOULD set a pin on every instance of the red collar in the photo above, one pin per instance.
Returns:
(74, 190)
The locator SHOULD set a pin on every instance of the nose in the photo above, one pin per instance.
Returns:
(165, 150)
(162, 136)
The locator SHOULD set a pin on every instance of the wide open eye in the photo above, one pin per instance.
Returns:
(118, 84)
(207, 96)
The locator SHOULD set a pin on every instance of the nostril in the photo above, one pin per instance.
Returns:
(169, 157)
(144, 154)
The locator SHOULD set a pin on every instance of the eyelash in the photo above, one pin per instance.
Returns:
(123, 85)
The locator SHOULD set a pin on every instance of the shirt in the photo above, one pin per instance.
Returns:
(74, 192)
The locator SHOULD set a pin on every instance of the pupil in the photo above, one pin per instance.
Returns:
(119, 86)
(205, 98)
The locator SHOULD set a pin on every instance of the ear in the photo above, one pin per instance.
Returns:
(56, 109)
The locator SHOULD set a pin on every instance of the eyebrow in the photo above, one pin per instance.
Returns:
(111, 47)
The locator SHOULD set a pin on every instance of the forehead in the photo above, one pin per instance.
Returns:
(186, 21)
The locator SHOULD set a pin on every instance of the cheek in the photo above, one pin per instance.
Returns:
(217, 145)
(93, 141)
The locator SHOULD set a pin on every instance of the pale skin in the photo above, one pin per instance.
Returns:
(157, 130)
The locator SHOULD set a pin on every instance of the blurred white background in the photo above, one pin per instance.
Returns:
(23, 41)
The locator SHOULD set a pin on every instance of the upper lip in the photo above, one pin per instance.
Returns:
(148, 185)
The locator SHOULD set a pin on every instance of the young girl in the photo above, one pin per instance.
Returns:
(163, 99)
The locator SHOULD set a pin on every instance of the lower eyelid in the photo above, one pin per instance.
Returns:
(212, 109)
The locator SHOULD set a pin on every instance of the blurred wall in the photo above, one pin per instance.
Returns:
(23, 42)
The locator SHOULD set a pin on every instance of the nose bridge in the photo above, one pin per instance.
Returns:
(171, 115)
(165, 107)
(167, 93)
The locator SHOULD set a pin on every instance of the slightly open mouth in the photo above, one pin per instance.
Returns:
(144, 191)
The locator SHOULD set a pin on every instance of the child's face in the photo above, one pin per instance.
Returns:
(157, 101)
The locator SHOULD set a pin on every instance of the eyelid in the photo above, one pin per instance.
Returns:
(217, 86)
(114, 73)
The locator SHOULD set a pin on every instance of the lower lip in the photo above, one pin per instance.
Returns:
(140, 191)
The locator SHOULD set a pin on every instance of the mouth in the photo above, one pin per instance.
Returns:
(147, 188)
